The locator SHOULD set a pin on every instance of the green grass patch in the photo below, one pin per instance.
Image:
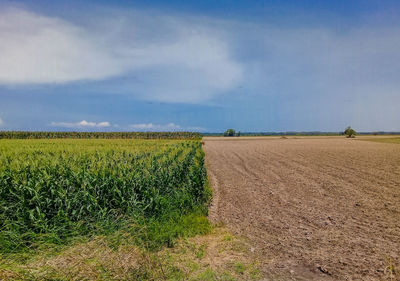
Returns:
(239, 268)
(384, 140)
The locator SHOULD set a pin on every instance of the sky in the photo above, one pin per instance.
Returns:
(255, 66)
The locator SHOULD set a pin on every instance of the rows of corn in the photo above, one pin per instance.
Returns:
(56, 189)
(98, 135)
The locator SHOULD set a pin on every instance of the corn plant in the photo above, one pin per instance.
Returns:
(60, 188)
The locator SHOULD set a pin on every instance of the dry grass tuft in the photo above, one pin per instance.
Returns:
(8, 275)
(216, 256)
(88, 261)
(390, 271)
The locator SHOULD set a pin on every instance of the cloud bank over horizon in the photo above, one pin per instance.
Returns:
(168, 127)
(81, 124)
(137, 127)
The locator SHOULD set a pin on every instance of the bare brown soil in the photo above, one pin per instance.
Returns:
(314, 208)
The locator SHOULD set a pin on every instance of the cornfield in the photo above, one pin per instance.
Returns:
(55, 189)
(98, 135)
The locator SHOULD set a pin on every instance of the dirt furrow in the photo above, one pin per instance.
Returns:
(314, 209)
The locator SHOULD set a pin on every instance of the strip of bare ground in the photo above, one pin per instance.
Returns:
(314, 208)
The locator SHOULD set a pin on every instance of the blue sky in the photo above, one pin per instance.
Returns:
(199, 65)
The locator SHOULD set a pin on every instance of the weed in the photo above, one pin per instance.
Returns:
(239, 268)
(390, 270)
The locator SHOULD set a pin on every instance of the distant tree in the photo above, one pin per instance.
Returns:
(349, 132)
(229, 133)
(238, 134)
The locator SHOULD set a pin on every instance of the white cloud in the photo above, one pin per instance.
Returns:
(103, 124)
(81, 124)
(141, 127)
(1, 122)
(169, 127)
(40, 49)
(174, 59)
(155, 127)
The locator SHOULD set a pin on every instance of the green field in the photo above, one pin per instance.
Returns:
(54, 190)
(385, 140)
(98, 135)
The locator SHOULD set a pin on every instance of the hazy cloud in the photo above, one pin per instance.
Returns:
(151, 127)
(39, 49)
(319, 71)
(1, 122)
(155, 127)
(175, 60)
(81, 124)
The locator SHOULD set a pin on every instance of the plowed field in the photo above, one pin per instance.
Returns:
(312, 208)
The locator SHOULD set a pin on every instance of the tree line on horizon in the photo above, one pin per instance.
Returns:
(348, 132)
